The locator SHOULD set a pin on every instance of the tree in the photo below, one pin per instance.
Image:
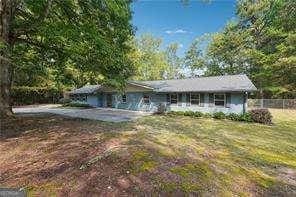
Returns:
(152, 63)
(260, 43)
(7, 10)
(195, 59)
(270, 26)
(90, 35)
(175, 63)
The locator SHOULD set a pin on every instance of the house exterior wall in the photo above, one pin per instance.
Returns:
(92, 100)
(236, 105)
(134, 101)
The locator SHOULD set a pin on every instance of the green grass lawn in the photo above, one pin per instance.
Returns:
(166, 155)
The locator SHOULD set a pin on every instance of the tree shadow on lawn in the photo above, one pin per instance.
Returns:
(161, 155)
(43, 122)
(237, 158)
(44, 151)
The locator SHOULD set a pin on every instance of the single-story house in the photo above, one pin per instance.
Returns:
(227, 94)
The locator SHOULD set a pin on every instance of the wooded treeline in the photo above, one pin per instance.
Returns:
(66, 44)
(260, 43)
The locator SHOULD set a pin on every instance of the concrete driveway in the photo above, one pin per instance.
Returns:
(104, 114)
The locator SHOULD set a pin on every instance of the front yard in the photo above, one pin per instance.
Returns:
(166, 155)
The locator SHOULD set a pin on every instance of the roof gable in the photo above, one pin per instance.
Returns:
(87, 89)
(91, 89)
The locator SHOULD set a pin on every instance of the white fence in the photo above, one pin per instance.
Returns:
(272, 103)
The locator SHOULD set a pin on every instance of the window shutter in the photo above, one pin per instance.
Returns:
(228, 99)
(168, 98)
(180, 100)
(211, 99)
(202, 100)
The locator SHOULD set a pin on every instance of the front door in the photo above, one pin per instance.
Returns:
(100, 100)
(109, 100)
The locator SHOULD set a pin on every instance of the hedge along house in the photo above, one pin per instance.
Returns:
(227, 94)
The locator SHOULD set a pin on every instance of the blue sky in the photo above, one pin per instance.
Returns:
(175, 22)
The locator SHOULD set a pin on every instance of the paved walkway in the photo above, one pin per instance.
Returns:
(104, 114)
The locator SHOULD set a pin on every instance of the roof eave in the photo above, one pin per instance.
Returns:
(209, 91)
(141, 85)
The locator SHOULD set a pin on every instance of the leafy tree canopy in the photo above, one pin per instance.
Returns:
(154, 63)
(72, 42)
(260, 43)
(63, 44)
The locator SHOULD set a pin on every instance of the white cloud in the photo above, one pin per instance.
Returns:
(169, 32)
(181, 31)
(178, 31)
(181, 45)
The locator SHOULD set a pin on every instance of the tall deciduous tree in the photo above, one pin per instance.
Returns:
(175, 63)
(151, 64)
(7, 9)
(89, 36)
(194, 56)
(260, 43)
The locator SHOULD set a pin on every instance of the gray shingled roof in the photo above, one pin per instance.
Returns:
(87, 89)
(226, 83)
(229, 83)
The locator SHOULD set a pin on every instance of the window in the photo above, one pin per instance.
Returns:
(83, 98)
(174, 98)
(194, 99)
(219, 100)
(123, 98)
(180, 99)
(146, 99)
(168, 98)
(78, 98)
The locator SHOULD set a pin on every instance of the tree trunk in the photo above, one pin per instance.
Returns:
(6, 12)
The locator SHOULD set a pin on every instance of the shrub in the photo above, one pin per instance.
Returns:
(234, 117)
(23, 95)
(240, 117)
(186, 113)
(261, 116)
(198, 114)
(207, 115)
(189, 113)
(73, 104)
(179, 113)
(219, 115)
(245, 117)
